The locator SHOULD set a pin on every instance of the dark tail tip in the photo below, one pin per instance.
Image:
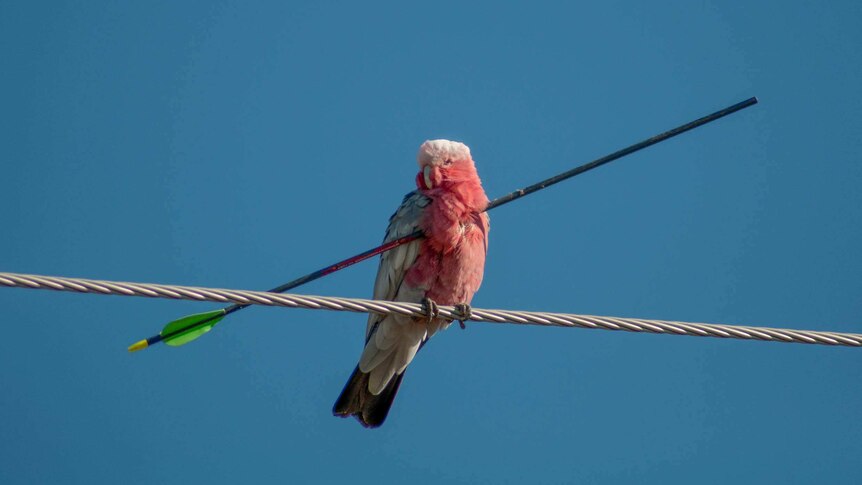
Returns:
(356, 400)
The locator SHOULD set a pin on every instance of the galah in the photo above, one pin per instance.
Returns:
(445, 267)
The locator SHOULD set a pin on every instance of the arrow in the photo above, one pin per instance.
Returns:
(189, 328)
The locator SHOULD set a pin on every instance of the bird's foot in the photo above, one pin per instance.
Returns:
(430, 308)
(465, 312)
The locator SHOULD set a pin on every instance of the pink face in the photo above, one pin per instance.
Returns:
(433, 174)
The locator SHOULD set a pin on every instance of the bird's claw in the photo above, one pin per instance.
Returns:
(465, 312)
(430, 308)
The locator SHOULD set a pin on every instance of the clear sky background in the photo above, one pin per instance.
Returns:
(242, 144)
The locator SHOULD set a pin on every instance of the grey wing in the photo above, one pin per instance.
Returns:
(395, 262)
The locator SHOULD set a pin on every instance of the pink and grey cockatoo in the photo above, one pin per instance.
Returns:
(445, 267)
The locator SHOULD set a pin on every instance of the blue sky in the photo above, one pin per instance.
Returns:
(242, 144)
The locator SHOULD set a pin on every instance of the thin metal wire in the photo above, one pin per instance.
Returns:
(244, 297)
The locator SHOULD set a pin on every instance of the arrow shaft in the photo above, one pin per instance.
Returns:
(491, 205)
(621, 153)
(513, 196)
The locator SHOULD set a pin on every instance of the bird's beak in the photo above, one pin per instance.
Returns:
(426, 173)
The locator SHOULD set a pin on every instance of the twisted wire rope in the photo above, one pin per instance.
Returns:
(290, 300)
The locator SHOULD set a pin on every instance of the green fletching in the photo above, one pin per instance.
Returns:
(182, 331)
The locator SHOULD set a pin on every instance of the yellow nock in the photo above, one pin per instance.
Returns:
(140, 345)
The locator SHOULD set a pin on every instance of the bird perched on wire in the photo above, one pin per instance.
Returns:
(445, 267)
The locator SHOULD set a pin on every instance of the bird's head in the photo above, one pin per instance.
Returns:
(443, 163)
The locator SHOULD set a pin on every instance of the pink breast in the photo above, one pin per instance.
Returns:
(451, 275)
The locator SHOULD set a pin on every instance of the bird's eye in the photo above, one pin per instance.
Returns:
(447, 162)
